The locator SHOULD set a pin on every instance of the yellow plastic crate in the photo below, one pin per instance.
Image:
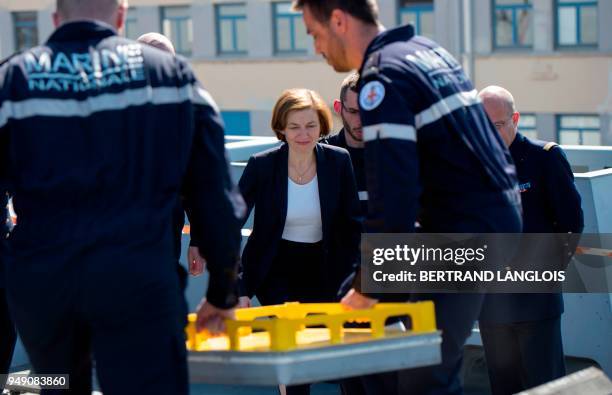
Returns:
(295, 325)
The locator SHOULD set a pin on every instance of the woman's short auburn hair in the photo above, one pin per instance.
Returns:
(296, 100)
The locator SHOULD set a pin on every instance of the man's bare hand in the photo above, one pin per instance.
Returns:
(212, 319)
(197, 264)
(353, 300)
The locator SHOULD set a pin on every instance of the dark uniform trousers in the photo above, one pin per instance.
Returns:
(136, 349)
(523, 355)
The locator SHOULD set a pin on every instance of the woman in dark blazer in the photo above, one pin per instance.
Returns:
(307, 224)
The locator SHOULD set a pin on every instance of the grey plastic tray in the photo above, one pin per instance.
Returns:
(315, 364)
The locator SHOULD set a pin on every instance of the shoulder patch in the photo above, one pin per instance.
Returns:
(550, 146)
(371, 95)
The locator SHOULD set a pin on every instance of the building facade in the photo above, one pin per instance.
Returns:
(555, 56)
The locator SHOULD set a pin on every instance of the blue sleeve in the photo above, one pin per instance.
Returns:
(214, 202)
(391, 156)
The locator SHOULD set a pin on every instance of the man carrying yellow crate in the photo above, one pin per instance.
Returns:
(431, 156)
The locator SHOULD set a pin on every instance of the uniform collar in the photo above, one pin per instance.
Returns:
(402, 33)
(82, 30)
(517, 145)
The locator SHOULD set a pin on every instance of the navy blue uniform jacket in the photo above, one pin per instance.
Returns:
(98, 136)
(551, 204)
(264, 186)
(431, 153)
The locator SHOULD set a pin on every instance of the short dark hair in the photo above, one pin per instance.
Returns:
(364, 10)
(349, 82)
(90, 8)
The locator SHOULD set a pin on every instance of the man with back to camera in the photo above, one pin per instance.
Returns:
(430, 153)
(101, 134)
(521, 333)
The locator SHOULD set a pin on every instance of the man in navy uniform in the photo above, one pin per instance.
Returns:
(350, 137)
(100, 136)
(430, 154)
(521, 333)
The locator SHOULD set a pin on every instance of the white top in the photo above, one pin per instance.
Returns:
(303, 223)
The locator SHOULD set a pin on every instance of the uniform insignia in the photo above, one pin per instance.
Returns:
(549, 146)
(372, 94)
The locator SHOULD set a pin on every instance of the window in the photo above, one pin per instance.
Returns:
(231, 28)
(289, 31)
(420, 14)
(576, 23)
(527, 126)
(178, 27)
(26, 30)
(237, 122)
(579, 130)
(131, 25)
(513, 21)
